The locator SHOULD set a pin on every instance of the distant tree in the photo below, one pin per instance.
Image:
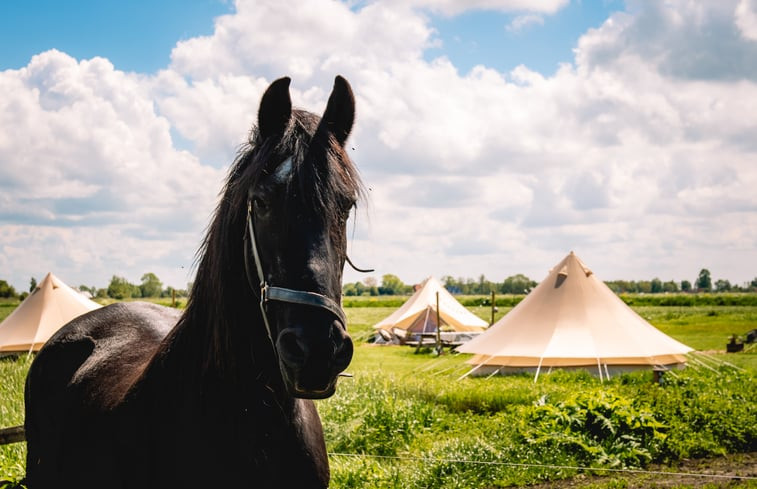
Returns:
(371, 286)
(6, 290)
(352, 289)
(623, 286)
(517, 284)
(91, 290)
(613, 285)
(32, 284)
(391, 285)
(704, 281)
(685, 286)
(670, 286)
(722, 286)
(120, 288)
(483, 286)
(151, 285)
(469, 286)
(452, 285)
(655, 286)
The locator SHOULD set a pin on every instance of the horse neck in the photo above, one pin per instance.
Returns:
(223, 332)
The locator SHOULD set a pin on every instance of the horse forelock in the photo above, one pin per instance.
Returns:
(319, 172)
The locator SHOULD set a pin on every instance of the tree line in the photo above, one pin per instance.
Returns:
(703, 283)
(393, 285)
(120, 288)
(520, 284)
(151, 286)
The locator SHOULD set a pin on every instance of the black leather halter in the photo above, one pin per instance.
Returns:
(281, 294)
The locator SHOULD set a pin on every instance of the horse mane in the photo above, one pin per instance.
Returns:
(222, 316)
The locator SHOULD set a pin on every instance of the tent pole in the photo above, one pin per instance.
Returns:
(716, 360)
(599, 367)
(438, 327)
(423, 331)
(475, 368)
(493, 308)
(494, 373)
(536, 377)
(701, 363)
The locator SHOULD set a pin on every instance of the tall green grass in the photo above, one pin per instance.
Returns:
(406, 421)
(6, 308)
(12, 377)
(430, 430)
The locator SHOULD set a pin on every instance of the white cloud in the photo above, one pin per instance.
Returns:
(454, 7)
(746, 18)
(93, 179)
(522, 22)
(678, 39)
(638, 156)
(270, 38)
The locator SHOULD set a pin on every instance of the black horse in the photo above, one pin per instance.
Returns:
(136, 395)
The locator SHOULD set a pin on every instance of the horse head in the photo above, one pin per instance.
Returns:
(297, 206)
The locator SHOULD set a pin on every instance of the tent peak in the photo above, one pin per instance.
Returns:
(51, 305)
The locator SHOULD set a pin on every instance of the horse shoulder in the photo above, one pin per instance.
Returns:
(125, 337)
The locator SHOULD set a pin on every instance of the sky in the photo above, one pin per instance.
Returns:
(494, 136)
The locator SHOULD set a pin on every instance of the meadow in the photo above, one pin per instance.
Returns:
(406, 420)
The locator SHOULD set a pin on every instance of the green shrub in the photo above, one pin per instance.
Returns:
(709, 413)
(599, 429)
(373, 419)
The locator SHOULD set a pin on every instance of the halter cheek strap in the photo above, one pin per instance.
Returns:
(281, 294)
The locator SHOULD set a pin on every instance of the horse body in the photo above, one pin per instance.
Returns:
(136, 395)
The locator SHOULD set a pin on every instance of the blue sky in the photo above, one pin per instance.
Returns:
(139, 35)
(483, 38)
(135, 35)
(119, 120)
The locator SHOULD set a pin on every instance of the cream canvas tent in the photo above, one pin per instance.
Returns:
(51, 305)
(418, 314)
(572, 319)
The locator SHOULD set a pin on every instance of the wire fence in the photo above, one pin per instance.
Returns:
(549, 466)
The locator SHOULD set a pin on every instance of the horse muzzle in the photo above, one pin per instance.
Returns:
(311, 358)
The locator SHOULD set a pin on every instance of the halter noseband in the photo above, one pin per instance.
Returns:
(281, 294)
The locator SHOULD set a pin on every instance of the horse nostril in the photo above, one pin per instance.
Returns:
(293, 351)
(343, 348)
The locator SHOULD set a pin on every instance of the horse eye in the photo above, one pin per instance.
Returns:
(260, 205)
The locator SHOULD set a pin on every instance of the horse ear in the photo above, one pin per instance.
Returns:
(340, 111)
(275, 109)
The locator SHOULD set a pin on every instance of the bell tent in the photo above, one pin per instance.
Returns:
(50, 305)
(572, 320)
(418, 315)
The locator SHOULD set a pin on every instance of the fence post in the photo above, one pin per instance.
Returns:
(14, 434)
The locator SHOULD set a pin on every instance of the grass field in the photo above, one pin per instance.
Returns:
(406, 421)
